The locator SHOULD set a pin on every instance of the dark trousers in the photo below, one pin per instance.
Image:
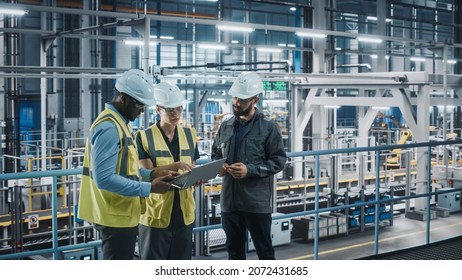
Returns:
(166, 243)
(236, 225)
(118, 243)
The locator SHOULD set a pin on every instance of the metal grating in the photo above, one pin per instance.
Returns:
(450, 249)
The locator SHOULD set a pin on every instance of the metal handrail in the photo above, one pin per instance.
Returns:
(57, 173)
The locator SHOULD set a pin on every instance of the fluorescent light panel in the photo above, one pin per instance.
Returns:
(370, 40)
(374, 56)
(12, 12)
(310, 34)
(418, 59)
(275, 50)
(138, 43)
(332, 106)
(236, 28)
(286, 45)
(375, 18)
(211, 46)
(162, 37)
(380, 108)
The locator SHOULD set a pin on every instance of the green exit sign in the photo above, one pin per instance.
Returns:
(276, 86)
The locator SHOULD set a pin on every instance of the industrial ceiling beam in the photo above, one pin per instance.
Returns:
(212, 22)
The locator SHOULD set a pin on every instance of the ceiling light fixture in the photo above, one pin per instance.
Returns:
(310, 34)
(369, 40)
(211, 46)
(162, 37)
(13, 12)
(418, 59)
(235, 28)
(272, 50)
(375, 19)
(138, 43)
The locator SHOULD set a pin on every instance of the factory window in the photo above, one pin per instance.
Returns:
(72, 98)
(72, 58)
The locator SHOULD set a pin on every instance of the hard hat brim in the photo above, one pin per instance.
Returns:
(147, 102)
(174, 104)
(235, 93)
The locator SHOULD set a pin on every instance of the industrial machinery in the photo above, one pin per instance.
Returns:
(393, 162)
(217, 121)
(449, 201)
(94, 253)
(448, 178)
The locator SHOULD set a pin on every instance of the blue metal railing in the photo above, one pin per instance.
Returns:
(54, 216)
(56, 249)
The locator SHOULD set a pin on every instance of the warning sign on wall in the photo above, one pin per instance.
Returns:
(33, 222)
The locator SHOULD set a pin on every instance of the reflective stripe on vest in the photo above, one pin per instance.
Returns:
(159, 206)
(105, 207)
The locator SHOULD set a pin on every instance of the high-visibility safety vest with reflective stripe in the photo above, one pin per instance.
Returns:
(159, 206)
(104, 207)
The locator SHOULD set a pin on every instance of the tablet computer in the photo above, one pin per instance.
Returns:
(202, 173)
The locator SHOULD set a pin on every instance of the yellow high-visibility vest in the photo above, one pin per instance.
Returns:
(104, 207)
(159, 206)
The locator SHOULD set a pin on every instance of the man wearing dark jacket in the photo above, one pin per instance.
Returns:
(254, 150)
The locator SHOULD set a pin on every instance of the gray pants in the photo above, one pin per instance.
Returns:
(166, 243)
(236, 224)
(118, 243)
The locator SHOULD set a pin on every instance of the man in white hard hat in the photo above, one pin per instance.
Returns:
(255, 152)
(111, 191)
(166, 226)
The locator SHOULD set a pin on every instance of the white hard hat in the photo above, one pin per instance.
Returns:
(168, 95)
(138, 85)
(248, 84)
